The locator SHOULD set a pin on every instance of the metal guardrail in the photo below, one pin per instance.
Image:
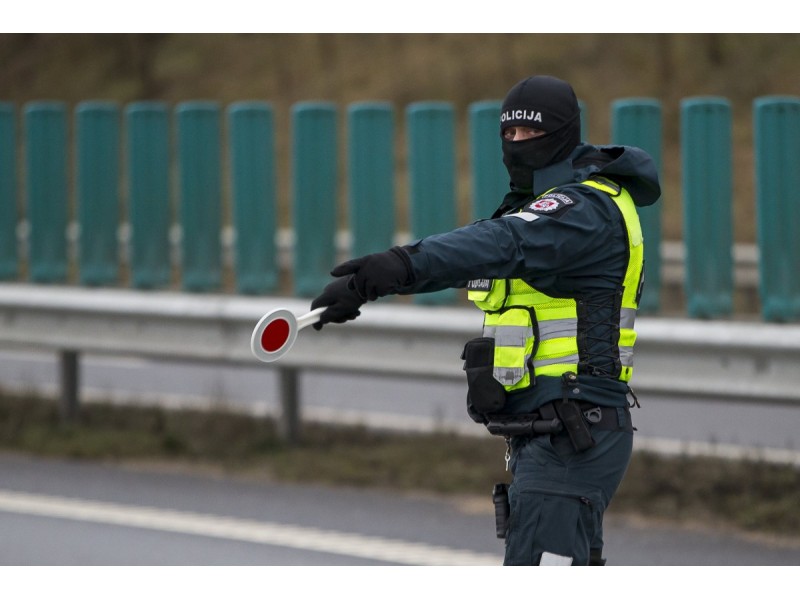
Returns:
(749, 362)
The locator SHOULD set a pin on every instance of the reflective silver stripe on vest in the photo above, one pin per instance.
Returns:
(626, 356)
(627, 317)
(557, 328)
(508, 375)
(509, 335)
(567, 360)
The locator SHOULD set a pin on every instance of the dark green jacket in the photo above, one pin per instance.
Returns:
(575, 249)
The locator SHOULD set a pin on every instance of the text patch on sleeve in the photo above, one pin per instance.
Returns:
(551, 205)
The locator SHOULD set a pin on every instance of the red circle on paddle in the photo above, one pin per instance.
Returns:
(276, 332)
(275, 335)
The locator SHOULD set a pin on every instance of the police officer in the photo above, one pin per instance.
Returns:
(558, 272)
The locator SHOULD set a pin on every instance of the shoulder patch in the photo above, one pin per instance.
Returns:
(550, 204)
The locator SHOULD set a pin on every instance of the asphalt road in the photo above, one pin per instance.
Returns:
(69, 513)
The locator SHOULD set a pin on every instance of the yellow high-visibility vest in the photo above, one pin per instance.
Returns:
(535, 334)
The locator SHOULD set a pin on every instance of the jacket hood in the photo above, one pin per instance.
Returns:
(631, 167)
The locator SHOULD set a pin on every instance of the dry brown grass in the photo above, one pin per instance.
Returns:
(748, 496)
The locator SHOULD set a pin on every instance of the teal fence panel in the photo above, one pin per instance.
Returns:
(314, 194)
(252, 166)
(637, 122)
(370, 176)
(97, 191)
(9, 212)
(46, 190)
(707, 164)
(147, 126)
(490, 180)
(584, 121)
(200, 194)
(777, 156)
(431, 168)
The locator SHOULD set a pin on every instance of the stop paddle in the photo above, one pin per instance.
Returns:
(276, 331)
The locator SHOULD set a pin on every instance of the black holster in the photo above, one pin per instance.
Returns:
(571, 415)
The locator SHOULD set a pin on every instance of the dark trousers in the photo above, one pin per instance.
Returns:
(558, 496)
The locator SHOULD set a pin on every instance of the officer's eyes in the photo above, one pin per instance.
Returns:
(518, 134)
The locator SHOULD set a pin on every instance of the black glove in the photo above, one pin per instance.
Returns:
(376, 275)
(342, 300)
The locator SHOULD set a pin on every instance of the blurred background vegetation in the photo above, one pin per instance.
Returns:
(403, 68)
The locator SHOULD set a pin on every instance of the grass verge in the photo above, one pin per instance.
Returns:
(749, 496)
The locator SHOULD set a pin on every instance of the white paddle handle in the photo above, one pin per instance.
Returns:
(310, 318)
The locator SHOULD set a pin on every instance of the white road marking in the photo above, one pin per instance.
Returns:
(245, 530)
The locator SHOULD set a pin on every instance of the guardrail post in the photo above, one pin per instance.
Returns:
(777, 156)
(97, 157)
(289, 427)
(252, 164)
(69, 375)
(314, 198)
(637, 122)
(200, 194)
(148, 180)
(431, 168)
(9, 212)
(370, 176)
(46, 190)
(706, 157)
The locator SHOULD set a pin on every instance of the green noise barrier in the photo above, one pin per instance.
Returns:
(145, 195)
(148, 155)
(490, 182)
(707, 164)
(637, 122)
(431, 172)
(9, 211)
(97, 129)
(776, 122)
(370, 176)
(314, 195)
(200, 178)
(252, 166)
(46, 190)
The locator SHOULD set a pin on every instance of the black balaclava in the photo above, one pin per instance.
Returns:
(545, 103)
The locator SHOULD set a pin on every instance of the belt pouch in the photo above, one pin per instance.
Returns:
(485, 393)
(501, 509)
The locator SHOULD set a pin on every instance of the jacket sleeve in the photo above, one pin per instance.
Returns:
(541, 240)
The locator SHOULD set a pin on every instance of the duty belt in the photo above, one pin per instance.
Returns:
(546, 420)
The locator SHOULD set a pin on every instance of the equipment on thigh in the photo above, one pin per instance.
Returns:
(548, 527)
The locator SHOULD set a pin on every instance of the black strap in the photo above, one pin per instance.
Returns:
(545, 420)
